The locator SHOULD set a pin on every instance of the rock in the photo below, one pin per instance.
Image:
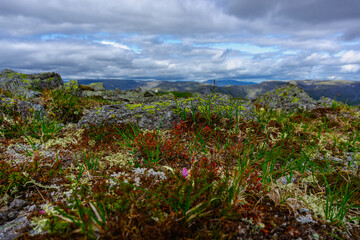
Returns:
(146, 116)
(94, 94)
(149, 94)
(287, 97)
(73, 87)
(12, 215)
(326, 102)
(17, 204)
(15, 82)
(29, 94)
(3, 218)
(149, 112)
(24, 108)
(99, 86)
(13, 229)
(85, 87)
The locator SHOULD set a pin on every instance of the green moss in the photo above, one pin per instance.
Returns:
(151, 111)
(133, 106)
(295, 100)
(148, 107)
(22, 75)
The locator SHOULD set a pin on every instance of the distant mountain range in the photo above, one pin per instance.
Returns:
(344, 91)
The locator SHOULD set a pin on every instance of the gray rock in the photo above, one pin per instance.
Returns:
(288, 97)
(88, 93)
(3, 218)
(72, 87)
(305, 219)
(12, 215)
(99, 86)
(149, 94)
(24, 108)
(145, 116)
(14, 81)
(17, 204)
(13, 229)
(326, 102)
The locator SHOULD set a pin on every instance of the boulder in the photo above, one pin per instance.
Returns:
(148, 116)
(287, 97)
(15, 82)
(99, 86)
(73, 87)
(26, 109)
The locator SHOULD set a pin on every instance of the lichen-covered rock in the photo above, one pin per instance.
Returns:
(86, 87)
(99, 86)
(73, 87)
(14, 81)
(149, 94)
(149, 112)
(145, 116)
(287, 97)
(88, 93)
(326, 102)
(26, 109)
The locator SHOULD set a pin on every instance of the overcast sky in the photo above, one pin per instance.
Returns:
(183, 39)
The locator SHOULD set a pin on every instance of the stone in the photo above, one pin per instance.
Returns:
(145, 116)
(3, 218)
(149, 94)
(14, 81)
(288, 97)
(17, 204)
(12, 215)
(26, 109)
(15, 228)
(99, 86)
(85, 87)
(73, 87)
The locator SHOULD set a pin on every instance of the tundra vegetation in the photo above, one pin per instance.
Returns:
(213, 175)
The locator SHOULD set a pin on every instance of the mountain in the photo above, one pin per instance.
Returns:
(112, 84)
(224, 83)
(344, 91)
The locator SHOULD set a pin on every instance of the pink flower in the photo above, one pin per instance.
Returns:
(42, 212)
(185, 173)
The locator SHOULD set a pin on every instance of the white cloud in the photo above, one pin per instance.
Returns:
(187, 39)
(115, 45)
(350, 68)
(351, 57)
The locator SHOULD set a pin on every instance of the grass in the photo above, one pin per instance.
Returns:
(246, 178)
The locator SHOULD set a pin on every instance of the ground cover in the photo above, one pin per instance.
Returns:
(213, 175)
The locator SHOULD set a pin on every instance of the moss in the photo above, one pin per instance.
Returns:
(65, 141)
(22, 75)
(148, 107)
(119, 158)
(151, 111)
(133, 106)
(295, 100)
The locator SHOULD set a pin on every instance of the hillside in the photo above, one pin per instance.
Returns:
(344, 91)
(81, 162)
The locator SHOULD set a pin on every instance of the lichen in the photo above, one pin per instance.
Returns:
(117, 159)
(133, 106)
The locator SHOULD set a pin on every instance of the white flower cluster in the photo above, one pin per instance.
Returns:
(138, 172)
(157, 175)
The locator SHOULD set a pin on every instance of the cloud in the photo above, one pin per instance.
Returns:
(182, 39)
(351, 57)
(352, 68)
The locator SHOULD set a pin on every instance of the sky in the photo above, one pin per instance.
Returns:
(197, 40)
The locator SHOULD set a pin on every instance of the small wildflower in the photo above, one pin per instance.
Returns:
(185, 173)
(42, 212)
